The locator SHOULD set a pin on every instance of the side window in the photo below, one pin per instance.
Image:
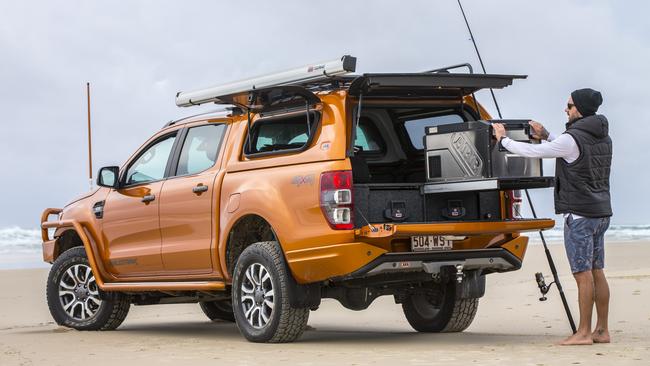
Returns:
(150, 165)
(415, 127)
(368, 137)
(281, 133)
(200, 149)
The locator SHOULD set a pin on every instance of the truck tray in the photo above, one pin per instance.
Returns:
(506, 183)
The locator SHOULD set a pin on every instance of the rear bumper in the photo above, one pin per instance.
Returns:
(491, 246)
(486, 260)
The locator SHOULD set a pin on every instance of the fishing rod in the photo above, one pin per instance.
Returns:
(539, 278)
(480, 59)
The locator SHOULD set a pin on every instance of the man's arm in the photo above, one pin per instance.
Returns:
(564, 146)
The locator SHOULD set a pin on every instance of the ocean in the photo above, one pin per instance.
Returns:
(21, 248)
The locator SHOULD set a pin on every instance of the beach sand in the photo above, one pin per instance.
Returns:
(511, 328)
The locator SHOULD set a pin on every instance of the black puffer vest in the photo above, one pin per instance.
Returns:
(582, 187)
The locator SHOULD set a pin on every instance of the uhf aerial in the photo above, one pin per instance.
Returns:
(90, 153)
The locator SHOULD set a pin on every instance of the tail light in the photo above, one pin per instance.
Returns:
(514, 200)
(336, 199)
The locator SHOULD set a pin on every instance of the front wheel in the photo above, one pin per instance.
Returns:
(444, 314)
(75, 300)
(260, 296)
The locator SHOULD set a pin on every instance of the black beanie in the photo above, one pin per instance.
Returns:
(587, 101)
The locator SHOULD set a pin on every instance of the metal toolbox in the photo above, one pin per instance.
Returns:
(469, 151)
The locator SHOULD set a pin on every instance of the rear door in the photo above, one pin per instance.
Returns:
(189, 201)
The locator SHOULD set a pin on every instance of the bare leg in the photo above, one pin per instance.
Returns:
(601, 333)
(585, 283)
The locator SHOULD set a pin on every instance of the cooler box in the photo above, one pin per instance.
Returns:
(468, 151)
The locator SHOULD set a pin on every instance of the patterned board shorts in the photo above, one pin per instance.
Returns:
(584, 241)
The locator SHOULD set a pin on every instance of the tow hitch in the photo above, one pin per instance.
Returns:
(459, 273)
(434, 268)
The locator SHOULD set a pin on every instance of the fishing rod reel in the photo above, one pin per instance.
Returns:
(543, 287)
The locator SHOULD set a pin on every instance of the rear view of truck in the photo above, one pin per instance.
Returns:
(434, 189)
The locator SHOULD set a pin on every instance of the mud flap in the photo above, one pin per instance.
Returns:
(472, 287)
(304, 296)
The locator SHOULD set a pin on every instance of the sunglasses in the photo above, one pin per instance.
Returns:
(570, 105)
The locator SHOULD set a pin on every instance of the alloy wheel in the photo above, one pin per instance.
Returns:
(78, 292)
(257, 296)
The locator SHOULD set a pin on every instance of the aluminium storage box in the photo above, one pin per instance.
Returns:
(469, 151)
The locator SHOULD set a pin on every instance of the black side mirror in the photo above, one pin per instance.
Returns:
(108, 177)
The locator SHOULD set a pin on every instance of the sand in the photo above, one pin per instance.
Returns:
(511, 328)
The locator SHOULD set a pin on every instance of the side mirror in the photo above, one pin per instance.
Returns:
(108, 177)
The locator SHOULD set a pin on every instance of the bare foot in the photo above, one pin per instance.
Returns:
(577, 340)
(600, 335)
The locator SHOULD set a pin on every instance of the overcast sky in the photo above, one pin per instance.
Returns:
(138, 54)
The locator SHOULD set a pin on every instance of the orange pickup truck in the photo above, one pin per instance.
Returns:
(313, 183)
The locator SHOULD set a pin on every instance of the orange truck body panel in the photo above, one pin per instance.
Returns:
(180, 241)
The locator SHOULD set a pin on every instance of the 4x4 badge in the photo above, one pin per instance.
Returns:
(299, 180)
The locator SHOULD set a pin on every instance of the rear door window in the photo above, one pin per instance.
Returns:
(200, 149)
(416, 127)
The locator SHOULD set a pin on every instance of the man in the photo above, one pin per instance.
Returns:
(583, 159)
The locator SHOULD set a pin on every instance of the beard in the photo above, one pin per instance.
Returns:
(571, 119)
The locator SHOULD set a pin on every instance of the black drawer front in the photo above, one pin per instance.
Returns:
(375, 204)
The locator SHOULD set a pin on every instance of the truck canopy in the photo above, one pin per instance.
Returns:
(438, 85)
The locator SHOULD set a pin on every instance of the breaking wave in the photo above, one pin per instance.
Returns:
(15, 239)
(614, 233)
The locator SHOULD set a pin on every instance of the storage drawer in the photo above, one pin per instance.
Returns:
(410, 203)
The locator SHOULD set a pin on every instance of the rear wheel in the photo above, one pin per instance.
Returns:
(75, 300)
(440, 315)
(260, 295)
(218, 310)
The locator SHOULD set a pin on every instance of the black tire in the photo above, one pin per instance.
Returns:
(284, 324)
(450, 315)
(218, 310)
(108, 315)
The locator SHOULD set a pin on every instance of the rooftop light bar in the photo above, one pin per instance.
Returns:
(307, 73)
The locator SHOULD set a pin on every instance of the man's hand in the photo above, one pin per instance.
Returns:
(539, 132)
(499, 131)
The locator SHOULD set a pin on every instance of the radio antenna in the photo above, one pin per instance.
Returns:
(480, 59)
(90, 153)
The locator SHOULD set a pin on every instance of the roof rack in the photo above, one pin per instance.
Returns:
(297, 87)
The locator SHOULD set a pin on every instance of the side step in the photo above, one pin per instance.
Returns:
(164, 286)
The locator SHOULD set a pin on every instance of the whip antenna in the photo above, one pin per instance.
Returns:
(90, 154)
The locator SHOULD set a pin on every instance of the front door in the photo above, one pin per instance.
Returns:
(189, 202)
(131, 225)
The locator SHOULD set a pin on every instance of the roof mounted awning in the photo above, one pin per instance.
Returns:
(422, 85)
(271, 98)
(272, 84)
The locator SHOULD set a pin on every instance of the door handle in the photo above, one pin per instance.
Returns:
(200, 188)
(148, 198)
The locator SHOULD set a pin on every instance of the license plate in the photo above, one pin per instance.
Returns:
(423, 243)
